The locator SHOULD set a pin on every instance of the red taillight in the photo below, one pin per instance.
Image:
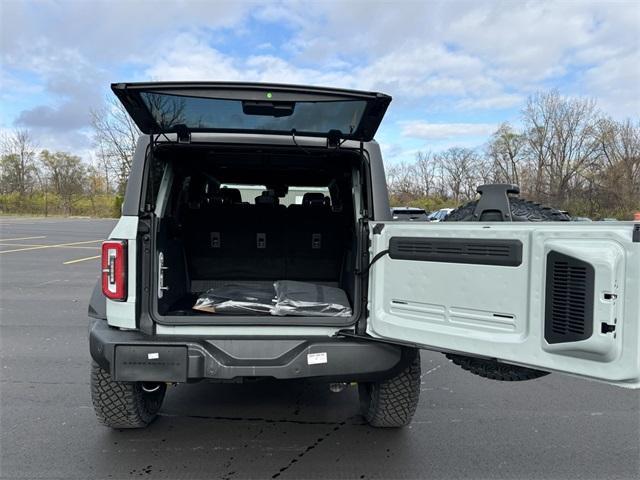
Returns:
(114, 269)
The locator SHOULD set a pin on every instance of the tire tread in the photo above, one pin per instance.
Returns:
(493, 370)
(521, 211)
(122, 404)
(392, 402)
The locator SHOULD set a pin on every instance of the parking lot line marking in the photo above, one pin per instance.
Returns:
(80, 260)
(48, 246)
(2, 244)
(21, 238)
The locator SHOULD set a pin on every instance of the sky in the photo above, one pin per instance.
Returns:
(456, 69)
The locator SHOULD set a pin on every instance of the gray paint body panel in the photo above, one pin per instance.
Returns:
(498, 311)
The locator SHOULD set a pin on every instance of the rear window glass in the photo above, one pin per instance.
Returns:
(221, 114)
(294, 196)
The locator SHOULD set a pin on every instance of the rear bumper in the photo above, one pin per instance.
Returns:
(133, 356)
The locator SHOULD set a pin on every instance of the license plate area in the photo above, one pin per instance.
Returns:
(150, 363)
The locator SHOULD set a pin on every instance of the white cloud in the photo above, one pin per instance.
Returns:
(500, 101)
(616, 84)
(427, 70)
(445, 131)
(189, 57)
(437, 57)
(106, 30)
(488, 54)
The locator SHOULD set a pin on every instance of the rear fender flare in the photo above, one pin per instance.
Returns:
(98, 302)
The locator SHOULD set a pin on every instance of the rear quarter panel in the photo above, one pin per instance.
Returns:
(123, 314)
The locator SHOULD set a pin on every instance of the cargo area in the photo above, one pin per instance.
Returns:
(232, 223)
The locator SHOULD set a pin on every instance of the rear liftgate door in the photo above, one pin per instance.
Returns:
(551, 296)
(186, 107)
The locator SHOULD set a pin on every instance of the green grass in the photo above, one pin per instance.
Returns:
(101, 206)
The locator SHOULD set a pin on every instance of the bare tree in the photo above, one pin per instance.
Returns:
(402, 182)
(426, 173)
(115, 136)
(459, 168)
(504, 152)
(95, 185)
(538, 128)
(167, 110)
(561, 138)
(66, 174)
(18, 169)
(619, 163)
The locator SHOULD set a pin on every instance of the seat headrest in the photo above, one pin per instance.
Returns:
(213, 201)
(313, 199)
(230, 195)
(268, 197)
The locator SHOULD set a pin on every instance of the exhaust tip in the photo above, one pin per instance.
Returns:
(337, 387)
(150, 387)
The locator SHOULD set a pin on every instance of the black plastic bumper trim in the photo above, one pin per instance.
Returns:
(227, 359)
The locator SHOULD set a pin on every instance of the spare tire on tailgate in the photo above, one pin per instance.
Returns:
(521, 211)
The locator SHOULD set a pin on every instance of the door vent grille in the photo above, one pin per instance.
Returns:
(569, 299)
(457, 250)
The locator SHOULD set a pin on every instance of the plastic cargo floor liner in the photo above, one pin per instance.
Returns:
(283, 298)
(233, 299)
(310, 299)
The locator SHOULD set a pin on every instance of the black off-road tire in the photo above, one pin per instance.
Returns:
(521, 211)
(123, 404)
(392, 402)
(494, 370)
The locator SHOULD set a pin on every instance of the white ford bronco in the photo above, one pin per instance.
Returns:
(256, 241)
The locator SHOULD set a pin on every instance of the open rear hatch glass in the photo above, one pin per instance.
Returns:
(253, 108)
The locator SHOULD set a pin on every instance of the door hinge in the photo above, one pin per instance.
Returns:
(377, 229)
(367, 338)
(143, 226)
(333, 138)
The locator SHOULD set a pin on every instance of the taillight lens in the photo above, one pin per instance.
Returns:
(114, 269)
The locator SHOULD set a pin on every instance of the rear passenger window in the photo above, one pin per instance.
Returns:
(294, 195)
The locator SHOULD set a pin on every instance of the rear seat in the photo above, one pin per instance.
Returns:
(315, 237)
(266, 224)
(265, 241)
(215, 236)
(230, 196)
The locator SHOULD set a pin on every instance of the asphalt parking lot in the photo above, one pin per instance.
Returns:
(465, 427)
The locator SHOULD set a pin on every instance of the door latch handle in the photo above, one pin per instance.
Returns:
(161, 269)
(606, 328)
